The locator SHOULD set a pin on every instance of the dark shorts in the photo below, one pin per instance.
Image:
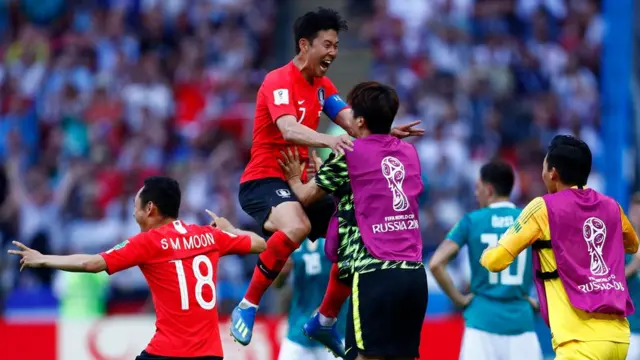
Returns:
(257, 197)
(386, 313)
(146, 356)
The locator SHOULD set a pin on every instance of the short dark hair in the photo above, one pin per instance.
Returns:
(500, 175)
(376, 103)
(308, 25)
(572, 159)
(164, 193)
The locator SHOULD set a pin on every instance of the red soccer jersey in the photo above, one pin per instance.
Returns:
(284, 91)
(180, 264)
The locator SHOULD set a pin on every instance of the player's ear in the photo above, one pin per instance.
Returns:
(303, 44)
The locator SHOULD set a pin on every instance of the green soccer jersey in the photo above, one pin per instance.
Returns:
(499, 305)
(311, 271)
(353, 256)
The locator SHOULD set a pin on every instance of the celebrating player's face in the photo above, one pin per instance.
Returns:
(322, 52)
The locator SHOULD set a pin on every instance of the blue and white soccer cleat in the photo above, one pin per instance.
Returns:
(326, 335)
(242, 321)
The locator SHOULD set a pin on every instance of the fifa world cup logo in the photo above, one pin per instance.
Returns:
(393, 171)
(595, 234)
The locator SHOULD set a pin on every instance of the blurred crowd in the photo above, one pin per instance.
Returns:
(96, 95)
(488, 78)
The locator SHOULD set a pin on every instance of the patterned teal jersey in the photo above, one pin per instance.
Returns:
(333, 178)
(499, 305)
(311, 270)
(633, 283)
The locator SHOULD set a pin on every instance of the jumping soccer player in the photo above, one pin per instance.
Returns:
(309, 269)
(288, 108)
(499, 316)
(179, 261)
(375, 232)
(579, 237)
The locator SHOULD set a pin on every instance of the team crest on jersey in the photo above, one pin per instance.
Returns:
(321, 96)
(283, 193)
(119, 246)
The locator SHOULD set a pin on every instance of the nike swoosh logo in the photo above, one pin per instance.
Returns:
(300, 102)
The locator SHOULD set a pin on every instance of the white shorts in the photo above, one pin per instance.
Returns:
(292, 351)
(634, 348)
(481, 345)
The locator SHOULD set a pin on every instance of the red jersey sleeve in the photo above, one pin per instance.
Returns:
(276, 91)
(329, 88)
(129, 253)
(229, 244)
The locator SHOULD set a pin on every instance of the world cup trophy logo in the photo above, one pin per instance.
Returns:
(595, 234)
(393, 171)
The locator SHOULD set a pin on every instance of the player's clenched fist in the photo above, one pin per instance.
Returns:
(339, 144)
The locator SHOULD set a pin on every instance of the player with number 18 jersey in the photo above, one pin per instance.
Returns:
(180, 262)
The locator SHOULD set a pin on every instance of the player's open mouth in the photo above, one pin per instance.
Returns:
(324, 64)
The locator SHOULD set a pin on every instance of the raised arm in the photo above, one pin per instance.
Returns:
(341, 114)
(345, 117)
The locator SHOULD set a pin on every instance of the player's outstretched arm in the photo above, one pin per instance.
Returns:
(344, 118)
(292, 167)
(73, 263)
(438, 266)
(297, 133)
(524, 232)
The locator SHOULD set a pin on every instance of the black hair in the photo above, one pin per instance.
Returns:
(500, 175)
(376, 103)
(308, 25)
(572, 159)
(164, 193)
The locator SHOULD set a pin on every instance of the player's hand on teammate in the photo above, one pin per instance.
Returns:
(315, 162)
(340, 144)
(407, 130)
(291, 164)
(219, 222)
(30, 258)
(534, 303)
(464, 301)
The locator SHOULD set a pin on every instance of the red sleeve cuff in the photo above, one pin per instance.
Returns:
(105, 256)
